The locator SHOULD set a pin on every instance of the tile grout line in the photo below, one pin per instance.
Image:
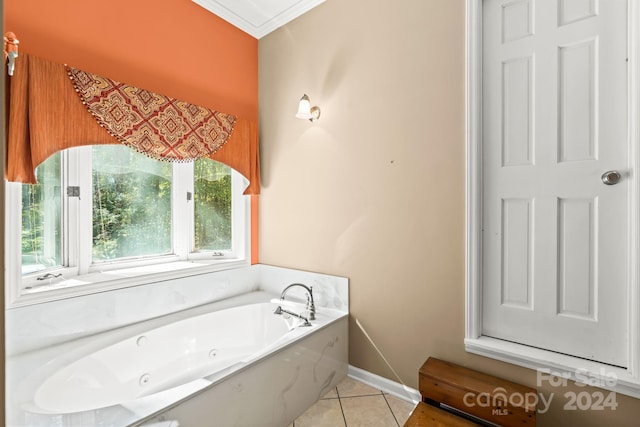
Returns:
(380, 392)
(390, 409)
(359, 395)
(341, 408)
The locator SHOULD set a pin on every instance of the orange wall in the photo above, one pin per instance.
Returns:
(173, 47)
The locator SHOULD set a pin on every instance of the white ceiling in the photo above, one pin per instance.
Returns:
(258, 17)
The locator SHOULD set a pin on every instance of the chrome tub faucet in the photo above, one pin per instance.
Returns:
(311, 306)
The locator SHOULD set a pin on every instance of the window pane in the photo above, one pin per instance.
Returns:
(131, 204)
(212, 205)
(41, 223)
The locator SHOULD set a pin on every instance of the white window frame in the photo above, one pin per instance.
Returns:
(627, 380)
(109, 275)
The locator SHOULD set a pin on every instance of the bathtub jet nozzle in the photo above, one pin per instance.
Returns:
(279, 310)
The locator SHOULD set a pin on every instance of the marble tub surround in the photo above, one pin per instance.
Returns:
(47, 336)
(328, 291)
(42, 325)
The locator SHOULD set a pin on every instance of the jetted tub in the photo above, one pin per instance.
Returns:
(165, 357)
(137, 377)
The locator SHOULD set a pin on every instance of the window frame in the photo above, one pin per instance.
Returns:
(115, 274)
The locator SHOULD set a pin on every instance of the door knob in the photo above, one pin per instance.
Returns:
(611, 177)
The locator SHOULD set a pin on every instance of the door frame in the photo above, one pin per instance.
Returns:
(627, 380)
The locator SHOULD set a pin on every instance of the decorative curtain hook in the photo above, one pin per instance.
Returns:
(10, 51)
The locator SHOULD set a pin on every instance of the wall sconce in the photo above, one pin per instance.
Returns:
(306, 111)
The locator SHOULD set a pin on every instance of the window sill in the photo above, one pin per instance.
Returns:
(109, 280)
(616, 379)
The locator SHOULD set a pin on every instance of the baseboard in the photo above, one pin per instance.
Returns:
(398, 390)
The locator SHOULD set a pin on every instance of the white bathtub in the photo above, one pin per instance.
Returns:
(165, 357)
(131, 376)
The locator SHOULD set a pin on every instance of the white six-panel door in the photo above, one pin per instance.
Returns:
(554, 118)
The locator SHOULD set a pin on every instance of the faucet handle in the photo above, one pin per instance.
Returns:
(311, 304)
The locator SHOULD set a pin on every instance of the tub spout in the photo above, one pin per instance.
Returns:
(280, 310)
(311, 307)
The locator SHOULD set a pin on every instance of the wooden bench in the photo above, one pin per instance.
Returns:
(456, 396)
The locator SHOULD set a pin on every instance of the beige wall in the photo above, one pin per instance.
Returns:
(374, 191)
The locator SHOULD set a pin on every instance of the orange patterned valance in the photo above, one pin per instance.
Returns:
(161, 127)
(46, 115)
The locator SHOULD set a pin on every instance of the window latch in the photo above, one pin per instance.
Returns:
(49, 276)
(189, 196)
(73, 191)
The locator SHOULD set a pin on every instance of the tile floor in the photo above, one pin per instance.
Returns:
(354, 404)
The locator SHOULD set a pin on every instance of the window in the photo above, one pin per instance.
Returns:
(131, 204)
(41, 221)
(103, 208)
(212, 197)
